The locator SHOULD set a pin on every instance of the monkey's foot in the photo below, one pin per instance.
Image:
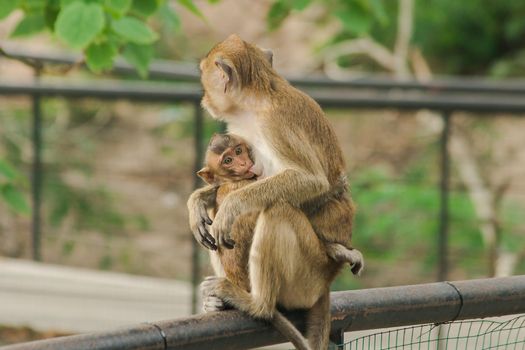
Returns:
(212, 290)
(212, 303)
(356, 261)
(351, 256)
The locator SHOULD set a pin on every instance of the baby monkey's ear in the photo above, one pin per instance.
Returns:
(207, 175)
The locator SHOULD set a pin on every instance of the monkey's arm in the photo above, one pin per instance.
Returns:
(293, 186)
(198, 204)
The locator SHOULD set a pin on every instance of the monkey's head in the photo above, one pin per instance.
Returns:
(232, 69)
(228, 158)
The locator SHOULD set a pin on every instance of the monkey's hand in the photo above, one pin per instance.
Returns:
(222, 225)
(198, 216)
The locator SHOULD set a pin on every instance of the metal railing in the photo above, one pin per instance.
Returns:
(444, 96)
(351, 311)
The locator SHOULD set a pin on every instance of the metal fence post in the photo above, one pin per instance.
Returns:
(337, 338)
(199, 154)
(36, 172)
(443, 195)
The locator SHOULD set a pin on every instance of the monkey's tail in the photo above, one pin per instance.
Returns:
(286, 328)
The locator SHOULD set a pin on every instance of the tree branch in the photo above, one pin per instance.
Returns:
(404, 35)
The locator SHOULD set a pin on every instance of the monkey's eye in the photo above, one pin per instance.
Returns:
(238, 150)
(227, 160)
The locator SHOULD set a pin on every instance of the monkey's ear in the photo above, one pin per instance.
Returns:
(269, 55)
(227, 68)
(207, 175)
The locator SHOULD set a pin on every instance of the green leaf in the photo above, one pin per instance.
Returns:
(65, 3)
(139, 56)
(79, 23)
(134, 30)
(51, 13)
(6, 7)
(170, 17)
(277, 14)
(355, 20)
(118, 7)
(30, 24)
(378, 9)
(32, 5)
(145, 7)
(190, 6)
(14, 199)
(300, 4)
(7, 171)
(100, 57)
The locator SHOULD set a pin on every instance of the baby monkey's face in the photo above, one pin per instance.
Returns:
(228, 159)
(236, 162)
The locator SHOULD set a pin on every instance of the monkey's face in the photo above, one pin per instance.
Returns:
(235, 163)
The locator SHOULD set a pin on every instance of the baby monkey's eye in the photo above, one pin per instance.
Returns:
(227, 160)
(238, 150)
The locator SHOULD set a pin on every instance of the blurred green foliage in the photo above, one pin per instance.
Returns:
(11, 182)
(473, 36)
(89, 205)
(397, 223)
(457, 37)
(101, 29)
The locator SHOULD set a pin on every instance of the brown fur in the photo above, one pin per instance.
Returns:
(235, 261)
(288, 263)
(330, 214)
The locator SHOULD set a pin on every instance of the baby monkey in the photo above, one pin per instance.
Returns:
(230, 165)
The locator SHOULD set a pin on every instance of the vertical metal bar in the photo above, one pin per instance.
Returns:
(199, 155)
(337, 337)
(444, 198)
(36, 174)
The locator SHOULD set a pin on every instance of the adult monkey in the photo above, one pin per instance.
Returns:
(301, 159)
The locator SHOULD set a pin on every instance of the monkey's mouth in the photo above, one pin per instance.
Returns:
(255, 171)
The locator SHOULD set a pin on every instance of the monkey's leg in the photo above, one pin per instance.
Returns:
(318, 323)
(283, 250)
(212, 303)
(340, 253)
(242, 300)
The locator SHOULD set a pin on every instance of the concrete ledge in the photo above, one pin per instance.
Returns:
(51, 297)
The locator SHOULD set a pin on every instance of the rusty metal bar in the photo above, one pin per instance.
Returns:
(142, 91)
(351, 311)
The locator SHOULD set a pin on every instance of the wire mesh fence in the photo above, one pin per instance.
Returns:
(460, 335)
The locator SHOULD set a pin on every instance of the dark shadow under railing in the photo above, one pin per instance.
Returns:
(351, 311)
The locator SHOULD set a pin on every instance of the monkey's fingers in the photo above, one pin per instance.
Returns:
(226, 241)
(211, 303)
(204, 215)
(206, 239)
(356, 268)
